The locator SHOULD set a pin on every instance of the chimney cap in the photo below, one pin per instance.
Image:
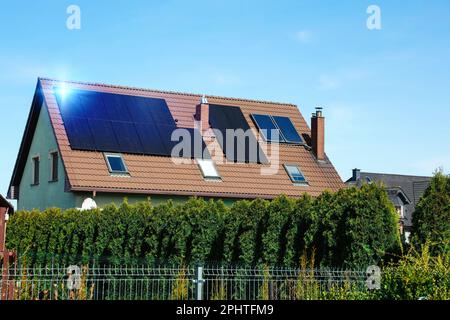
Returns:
(318, 112)
(203, 100)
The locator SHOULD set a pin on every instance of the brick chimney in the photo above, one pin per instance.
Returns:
(202, 115)
(318, 134)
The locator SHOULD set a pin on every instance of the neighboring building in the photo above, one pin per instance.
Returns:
(93, 144)
(6, 209)
(404, 192)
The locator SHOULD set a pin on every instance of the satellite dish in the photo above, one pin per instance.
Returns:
(88, 204)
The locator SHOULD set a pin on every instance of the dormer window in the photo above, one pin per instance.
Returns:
(116, 164)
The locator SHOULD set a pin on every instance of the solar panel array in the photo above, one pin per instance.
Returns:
(107, 122)
(282, 125)
(236, 149)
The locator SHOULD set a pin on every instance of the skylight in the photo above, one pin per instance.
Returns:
(295, 174)
(208, 169)
(116, 165)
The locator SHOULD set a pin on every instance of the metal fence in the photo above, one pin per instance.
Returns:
(91, 282)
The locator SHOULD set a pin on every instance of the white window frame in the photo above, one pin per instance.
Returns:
(207, 176)
(114, 172)
(304, 183)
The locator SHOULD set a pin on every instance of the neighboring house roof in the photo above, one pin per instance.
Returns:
(5, 204)
(412, 187)
(398, 197)
(87, 170)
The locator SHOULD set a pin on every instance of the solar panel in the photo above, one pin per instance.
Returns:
(119, 123)
(150, 139)
(288, 130)
(80, 135)
(194, 148)
(103, 133)
(266, 126)
(229, 117)
(127, 137)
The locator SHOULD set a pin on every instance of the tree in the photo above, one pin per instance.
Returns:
(431, 220)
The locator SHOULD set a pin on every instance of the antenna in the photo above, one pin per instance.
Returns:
(88, 204)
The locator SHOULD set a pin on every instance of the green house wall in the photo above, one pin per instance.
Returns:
(102, 199)
(49, 194)
(45, 194)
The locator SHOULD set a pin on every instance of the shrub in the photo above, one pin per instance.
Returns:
(417, 275)
(350, 228)
(431, 220)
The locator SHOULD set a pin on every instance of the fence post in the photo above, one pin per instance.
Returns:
(199, 282)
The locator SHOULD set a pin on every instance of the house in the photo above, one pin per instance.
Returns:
(404, 192)
(88, 145)
(6, 209)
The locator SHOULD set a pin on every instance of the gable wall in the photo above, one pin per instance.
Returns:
(46, 194)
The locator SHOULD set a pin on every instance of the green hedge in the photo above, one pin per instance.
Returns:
(350, 228)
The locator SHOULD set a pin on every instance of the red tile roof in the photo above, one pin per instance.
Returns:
(87, 170)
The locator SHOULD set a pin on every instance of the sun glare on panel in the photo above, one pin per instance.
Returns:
(62, 90)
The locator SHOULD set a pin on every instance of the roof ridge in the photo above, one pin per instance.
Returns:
(168, 92)
(395, 174)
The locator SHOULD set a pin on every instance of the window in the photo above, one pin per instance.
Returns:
(53, 166)
(35, 173)
(116, 164)
(295, 174)
(208, 169)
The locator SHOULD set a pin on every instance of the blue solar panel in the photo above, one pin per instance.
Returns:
(150, 139)
(127, 137)
(104, 137)
(288, 130)
(117, 123)
(80, 135)
(267, 128)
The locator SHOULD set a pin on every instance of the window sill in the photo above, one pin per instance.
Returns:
(211, 179)
(34, 184)
(301, 184)
(52, 181)
(120, 174)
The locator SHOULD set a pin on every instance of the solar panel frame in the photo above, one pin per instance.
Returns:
(288, 130)
(264, 130)
(108, 122)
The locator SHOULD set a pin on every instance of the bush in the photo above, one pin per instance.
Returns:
(417, 275)
(351, 228)
(431, 220)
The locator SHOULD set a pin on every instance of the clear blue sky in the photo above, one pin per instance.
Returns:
(386, 93)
